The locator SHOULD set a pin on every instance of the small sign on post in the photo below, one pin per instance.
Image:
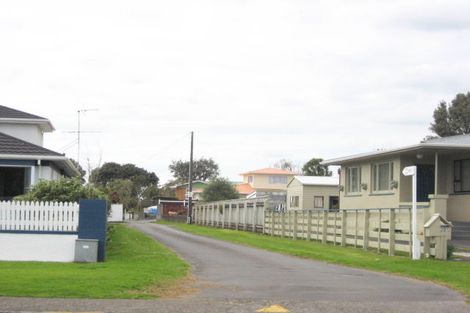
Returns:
(416, 244)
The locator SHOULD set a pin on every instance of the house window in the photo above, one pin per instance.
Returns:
(318, 202)
(294, 201)
(462, 176)
(250, 179)
(278, 179)
(382, 175)
(353, 179)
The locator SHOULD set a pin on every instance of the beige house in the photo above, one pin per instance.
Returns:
(375, 180)
(268, 181)
(313, 192)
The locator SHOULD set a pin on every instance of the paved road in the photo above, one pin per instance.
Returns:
(234, 278)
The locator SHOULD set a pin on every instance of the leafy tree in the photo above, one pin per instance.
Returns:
(314, 168)
(287, 165)
(219, 189)
(125, 183)
(122, 191)
(150, 196)
(112, 171)
(62, 190)
(203, 169)
(452, 118)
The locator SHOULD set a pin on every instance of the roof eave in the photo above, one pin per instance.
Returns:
(45, 124)
(361, 157)
(68, 165)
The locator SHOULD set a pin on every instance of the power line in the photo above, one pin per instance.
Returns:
(166, 148)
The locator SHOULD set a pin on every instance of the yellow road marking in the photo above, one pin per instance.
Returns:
(273, 309)
(73, 312)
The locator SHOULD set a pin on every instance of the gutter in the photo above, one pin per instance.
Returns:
(69, 166)
(365, 156)
(45, 124)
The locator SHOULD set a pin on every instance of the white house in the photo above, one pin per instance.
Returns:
(23, 159)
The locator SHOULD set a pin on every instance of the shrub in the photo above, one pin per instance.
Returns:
(62, 190)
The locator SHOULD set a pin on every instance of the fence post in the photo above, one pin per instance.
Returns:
(223, 215)
(318, 225)
(334, 230)
(272, 220)
(411, 233)
(294, 232)
(391, 233)
(309, 225)
(212, 216)
(379, 239)
(230, 216)
(264, 210)
(355, 229)
(237, 225)
(325, 227)
(343, 227)
(283, 224)
(365, 241)
(245, 218)
(255, 217)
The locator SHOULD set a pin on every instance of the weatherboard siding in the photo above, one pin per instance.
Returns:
(261, 181)
(30, 133)
(366, 199)
(310, 192)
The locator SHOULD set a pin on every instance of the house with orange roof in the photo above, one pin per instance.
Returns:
(266, 181)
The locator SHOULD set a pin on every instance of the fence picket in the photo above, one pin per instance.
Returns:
(38, 216)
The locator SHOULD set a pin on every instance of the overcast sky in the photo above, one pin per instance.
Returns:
(256, 80)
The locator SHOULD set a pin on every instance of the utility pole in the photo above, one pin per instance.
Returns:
(190, 185)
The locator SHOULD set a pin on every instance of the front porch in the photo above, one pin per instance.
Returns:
(443, 181)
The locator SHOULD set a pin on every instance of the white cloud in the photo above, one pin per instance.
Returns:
(256, 80)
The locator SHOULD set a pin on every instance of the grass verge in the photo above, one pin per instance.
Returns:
(453, 274)
(136, 267)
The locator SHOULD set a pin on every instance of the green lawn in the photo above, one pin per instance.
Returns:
(136, 267)
(451, 273)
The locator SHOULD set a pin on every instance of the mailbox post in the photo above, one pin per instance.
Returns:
(416, 244)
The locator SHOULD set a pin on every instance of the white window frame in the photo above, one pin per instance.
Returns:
(349, 180)
(273, 179)
(315, 206)
(375, 177)
(294, 201)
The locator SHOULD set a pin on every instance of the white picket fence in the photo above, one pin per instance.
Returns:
(39, 216)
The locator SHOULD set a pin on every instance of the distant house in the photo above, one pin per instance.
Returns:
(313, 192)
(375, 179)
(267, 181)
(182, 189)
(245, 190)
(23, 159)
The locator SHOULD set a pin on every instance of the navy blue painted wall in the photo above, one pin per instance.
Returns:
(18, 162)
(92, 223)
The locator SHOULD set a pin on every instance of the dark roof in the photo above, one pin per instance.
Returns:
(6, 112)
(457, 139)
(12, 145)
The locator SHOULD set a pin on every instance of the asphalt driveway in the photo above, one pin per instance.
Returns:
(235, 278)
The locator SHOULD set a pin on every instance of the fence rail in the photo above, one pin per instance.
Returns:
(240, 214)
(383, 230)
(38, 216)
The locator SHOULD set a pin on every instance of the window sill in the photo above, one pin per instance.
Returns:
(385, 193)
(460, 193)
(353, 195)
